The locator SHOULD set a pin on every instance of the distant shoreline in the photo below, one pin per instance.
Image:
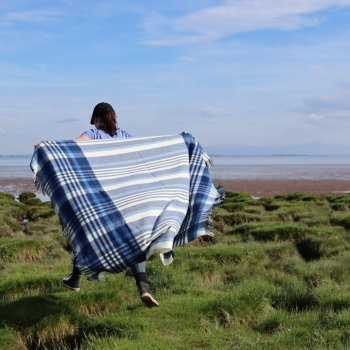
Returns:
(253, 187)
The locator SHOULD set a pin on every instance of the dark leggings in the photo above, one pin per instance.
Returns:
(140, 267)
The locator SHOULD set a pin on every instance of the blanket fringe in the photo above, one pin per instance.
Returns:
(36, 182)
(221, 195)
(34, 168)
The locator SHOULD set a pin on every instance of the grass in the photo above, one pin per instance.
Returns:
(276, 276)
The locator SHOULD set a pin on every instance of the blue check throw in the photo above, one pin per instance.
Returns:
(122, 200)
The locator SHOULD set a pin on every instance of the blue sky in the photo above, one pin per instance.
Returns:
(247, 72)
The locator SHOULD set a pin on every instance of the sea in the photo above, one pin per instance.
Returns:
(306, 167)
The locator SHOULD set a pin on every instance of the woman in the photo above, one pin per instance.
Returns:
(105, 121)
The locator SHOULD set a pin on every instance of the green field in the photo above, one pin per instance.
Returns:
(276, 276)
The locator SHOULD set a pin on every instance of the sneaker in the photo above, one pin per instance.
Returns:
(148, 300)
(146, 296)
(72, 282)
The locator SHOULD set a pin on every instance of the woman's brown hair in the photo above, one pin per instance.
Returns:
(105, 112)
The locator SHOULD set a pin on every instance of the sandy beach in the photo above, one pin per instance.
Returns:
(254, 187)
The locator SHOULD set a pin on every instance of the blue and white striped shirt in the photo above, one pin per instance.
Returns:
(97, 134)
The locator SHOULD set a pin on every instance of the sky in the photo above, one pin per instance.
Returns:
(236, 72)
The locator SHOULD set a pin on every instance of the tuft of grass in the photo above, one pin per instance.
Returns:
(10, 339)
(313, 248)
(23, 249)
(341, 220)
(333, 297)
(240, 217)
(270, 325)
(270, 231)
(24, 197)
(295, 298)
(11, 215)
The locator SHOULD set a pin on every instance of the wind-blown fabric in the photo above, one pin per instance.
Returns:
(122, 200)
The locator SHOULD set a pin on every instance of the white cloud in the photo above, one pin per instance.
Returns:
(188, 58)
(36, 16)
(331, 108)
(212, 114)
(330, 103)
(173, 40)
(235, 16)
(316, 118)
(213, 111)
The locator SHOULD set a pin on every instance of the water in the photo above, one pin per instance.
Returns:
(15, 167)
(281, 167)
(233, 167)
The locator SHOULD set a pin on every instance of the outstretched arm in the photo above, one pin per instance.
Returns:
(82, 137)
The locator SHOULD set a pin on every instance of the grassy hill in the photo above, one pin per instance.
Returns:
(276, 276)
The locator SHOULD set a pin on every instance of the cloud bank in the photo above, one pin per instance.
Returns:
(237, 16)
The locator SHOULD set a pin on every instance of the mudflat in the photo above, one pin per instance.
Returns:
(253, 187)
(265, 187)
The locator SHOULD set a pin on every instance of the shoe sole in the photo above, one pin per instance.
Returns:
(71, 288)
(148, 300)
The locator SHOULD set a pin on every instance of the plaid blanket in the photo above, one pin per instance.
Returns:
(122, 200)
